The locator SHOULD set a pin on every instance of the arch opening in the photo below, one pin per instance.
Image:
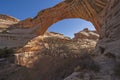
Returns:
(68, 27)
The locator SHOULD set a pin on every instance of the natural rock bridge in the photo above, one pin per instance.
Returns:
(89, 10)
(104, 14)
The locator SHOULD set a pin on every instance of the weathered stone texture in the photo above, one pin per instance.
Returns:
(86, 34)
(110, 31)
(85, 9)
(9, 18)
(6, 21)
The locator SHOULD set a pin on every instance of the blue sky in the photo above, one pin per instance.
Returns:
(22, 9)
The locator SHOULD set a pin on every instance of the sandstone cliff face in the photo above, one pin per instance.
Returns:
(8, 18)
(109, 35)
(86, 38)
(6, 21)
(86, 34)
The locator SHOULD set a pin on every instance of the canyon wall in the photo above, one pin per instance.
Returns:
(109, 42)
(104, 14)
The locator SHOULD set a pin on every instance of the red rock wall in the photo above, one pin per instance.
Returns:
(84, 9)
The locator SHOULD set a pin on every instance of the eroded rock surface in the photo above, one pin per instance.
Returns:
(6, 21)
(86, 38)
(108, 46)
(85, 9)
(86, 34)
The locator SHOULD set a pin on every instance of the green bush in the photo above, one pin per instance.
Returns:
(5, 52)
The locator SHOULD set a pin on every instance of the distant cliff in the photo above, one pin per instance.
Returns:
(6, 21)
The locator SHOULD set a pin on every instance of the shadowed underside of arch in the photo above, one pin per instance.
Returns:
(85, 9)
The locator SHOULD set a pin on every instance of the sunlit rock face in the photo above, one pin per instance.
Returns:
(6, 21)
(86, 34)
(86, 9)
(87, 38)
(8, 18)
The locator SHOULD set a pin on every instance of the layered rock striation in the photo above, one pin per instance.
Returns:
(86, 34)
(85, 9)
(6, 21)
(86, 38)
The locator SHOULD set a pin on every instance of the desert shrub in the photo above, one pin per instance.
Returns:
(55, 46)
(117, 69)
(5, 52)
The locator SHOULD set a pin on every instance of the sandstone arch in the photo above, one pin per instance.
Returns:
(84, 9)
